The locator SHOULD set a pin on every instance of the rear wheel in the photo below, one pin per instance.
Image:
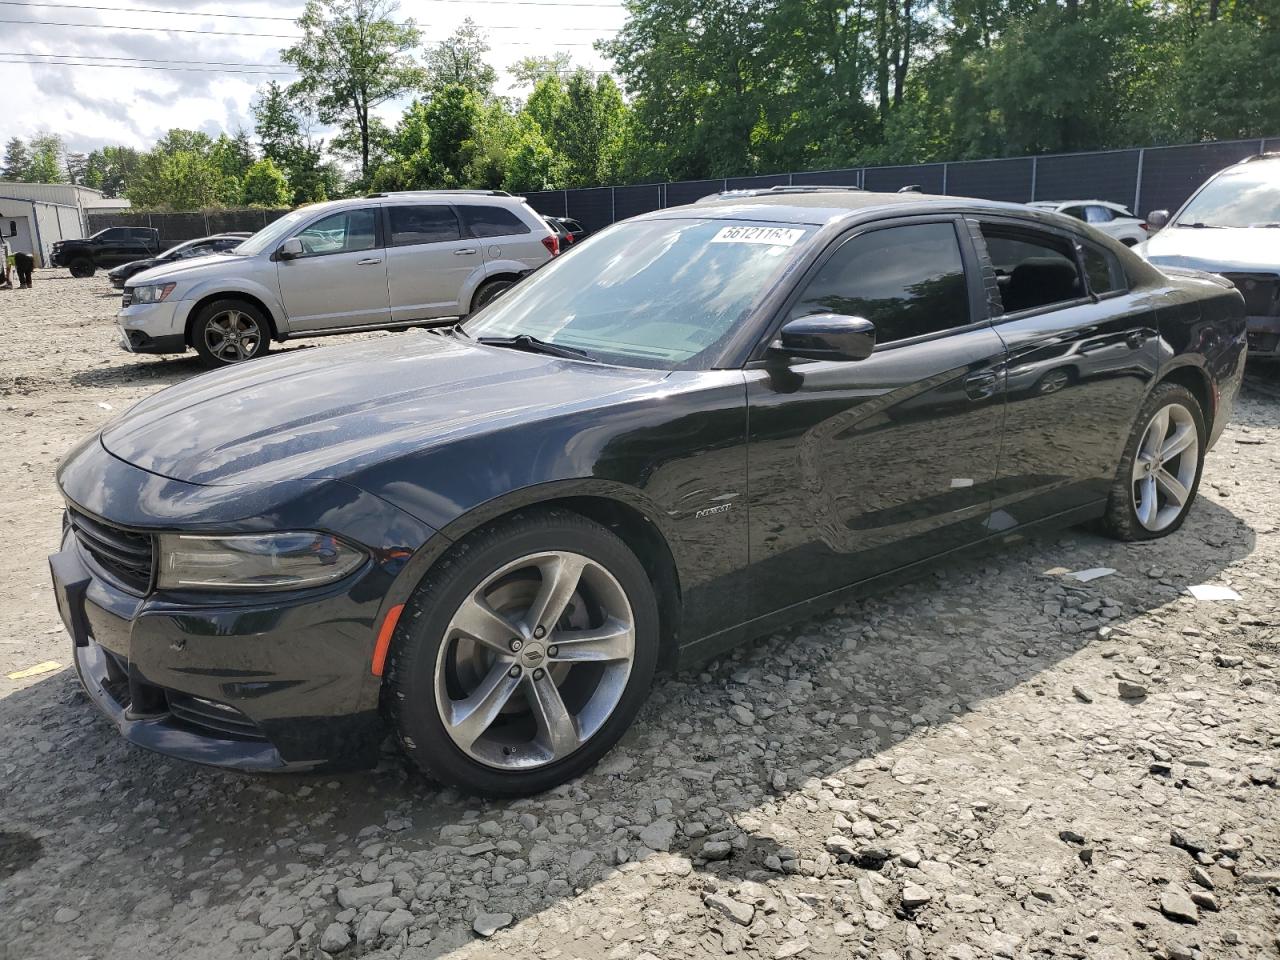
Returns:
(230, 331)
(523, 656)
(1160, 471)
(489, 291)
(82, 268)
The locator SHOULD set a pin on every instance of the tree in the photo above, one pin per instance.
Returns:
(527, 71)
(16, 159)
(460, 60)
(176, 180)
(353, 57)
(265, 186)
(451, 117)
(111, 169)
(45, 165)
(77, 165)
(531, 163)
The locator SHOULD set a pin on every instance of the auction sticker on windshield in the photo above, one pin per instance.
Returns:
(775, 236)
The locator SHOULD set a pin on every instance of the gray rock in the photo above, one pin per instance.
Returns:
(914, 896)
(335, 938)
(281, 938)
(717, 850)
(370, 926)
(742, 715)
(356, 897)
(741, 913)
(659, 835)
(1081, 694)
(487, 924)
(1176, 905)
(1270, 878)
(1129, 690)
(1201, 876)
(399, 920)
(66, 915)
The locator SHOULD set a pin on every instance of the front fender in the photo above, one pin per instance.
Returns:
(222, 286)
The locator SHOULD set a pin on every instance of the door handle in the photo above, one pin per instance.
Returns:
(979, 386)
(368, 261)
(464, 253)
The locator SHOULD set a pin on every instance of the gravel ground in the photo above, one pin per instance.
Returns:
(998, 761)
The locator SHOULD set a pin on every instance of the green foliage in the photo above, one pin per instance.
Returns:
(531, 163)
(16, 159)
(265, 186)
(460, 61)
(353, 57)
(110, 169)
(45, 163)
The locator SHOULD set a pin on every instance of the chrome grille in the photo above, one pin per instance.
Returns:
(125, 555)
(1259, 291)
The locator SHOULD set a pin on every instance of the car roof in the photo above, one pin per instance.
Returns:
(1047, 204)
(819, 207)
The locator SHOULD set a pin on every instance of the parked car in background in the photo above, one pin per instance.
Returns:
(700, 425)
(575, 230)
(1112, 219)
(202, 247)
(380, 262)
(106, 248)
(1231, 226)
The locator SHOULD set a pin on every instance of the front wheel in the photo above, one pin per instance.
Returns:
(82, 268)
(524, 655)
(230, 331)
(1160, 471)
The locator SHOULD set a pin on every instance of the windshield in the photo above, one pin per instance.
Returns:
(1241, 198)
(647, 293)
(271, 235)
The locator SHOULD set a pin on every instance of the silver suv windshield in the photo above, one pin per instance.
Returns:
(272, 234)
(664, 294)
(1248, 197)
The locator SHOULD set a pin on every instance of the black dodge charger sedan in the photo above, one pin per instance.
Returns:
(694, 427)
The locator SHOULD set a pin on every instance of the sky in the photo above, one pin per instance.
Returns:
(95, 105)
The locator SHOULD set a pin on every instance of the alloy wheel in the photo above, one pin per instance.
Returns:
(1164, 470)
(232, 336)
(535, 660)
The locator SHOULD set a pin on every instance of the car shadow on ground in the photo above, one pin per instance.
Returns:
(804, 717)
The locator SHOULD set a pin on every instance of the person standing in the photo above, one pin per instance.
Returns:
(24, 263)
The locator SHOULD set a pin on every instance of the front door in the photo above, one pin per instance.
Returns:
(428, 261)
(859, 468)
(341, 278)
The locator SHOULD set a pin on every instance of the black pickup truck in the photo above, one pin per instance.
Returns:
(106, 248)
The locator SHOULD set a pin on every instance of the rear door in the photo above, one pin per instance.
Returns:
(341, 278)
(503, 234)
(859, 468)
(1082, 351)
(428, 260)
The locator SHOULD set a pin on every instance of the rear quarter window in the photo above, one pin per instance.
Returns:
(485, 221)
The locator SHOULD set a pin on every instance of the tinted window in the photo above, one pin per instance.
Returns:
(423, 223)
(490, 221)
(1077, 212)
(142, 233)
(908, 281)
(1105, 275)
(1033, 269)
(345, 232)
(1096, 214)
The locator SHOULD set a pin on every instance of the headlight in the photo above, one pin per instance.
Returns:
(269, 561)
(155, 293)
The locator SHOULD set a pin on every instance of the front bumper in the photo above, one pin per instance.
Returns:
(153, 327)
(1264, 337)
(252, 682)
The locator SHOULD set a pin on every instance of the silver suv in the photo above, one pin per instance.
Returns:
(385, 261)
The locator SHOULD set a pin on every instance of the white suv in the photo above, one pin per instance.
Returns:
(1111, 218)
(385, 261)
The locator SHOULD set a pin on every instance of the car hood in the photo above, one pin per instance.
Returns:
(193, 269)
(133, 266)
(324, 413)
(1241, 249)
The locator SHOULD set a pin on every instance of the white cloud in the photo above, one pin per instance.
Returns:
(91, 106)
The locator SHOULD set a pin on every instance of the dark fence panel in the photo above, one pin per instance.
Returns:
(687, 191)
(549, 203)
(828, 178)
(1171, 174)
(1271, 146)
(103, 221)
(929, 176)
(592, 207)
(633, 201)
(991, 179)
(759, 183)
(1088, 176)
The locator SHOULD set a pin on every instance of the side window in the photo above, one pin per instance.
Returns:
(482, 221)
(1096, 214)
(1103, 270)
(423, 223)
(141, 233)
(1077, 212)
(1033, 269)
(906, 280)
(346, 232)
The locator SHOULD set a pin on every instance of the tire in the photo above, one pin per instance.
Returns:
(1128, 516)
(434, 668)
(230, 331)
(83, 268)
(489, 291)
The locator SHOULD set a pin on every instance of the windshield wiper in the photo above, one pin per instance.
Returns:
(1201, 226)
(533, 345)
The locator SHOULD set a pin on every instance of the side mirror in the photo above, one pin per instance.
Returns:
(826, 336)
(1157, 219)
(290, 249)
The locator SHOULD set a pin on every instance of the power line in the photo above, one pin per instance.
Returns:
(138, 66)
(108, 26)
(253, 16)
(94, 56)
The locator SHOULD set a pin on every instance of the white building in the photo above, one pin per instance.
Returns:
(35, 215)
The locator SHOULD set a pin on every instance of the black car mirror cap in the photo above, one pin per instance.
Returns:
(291, 249)
(826, 336)
(1157, 219)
